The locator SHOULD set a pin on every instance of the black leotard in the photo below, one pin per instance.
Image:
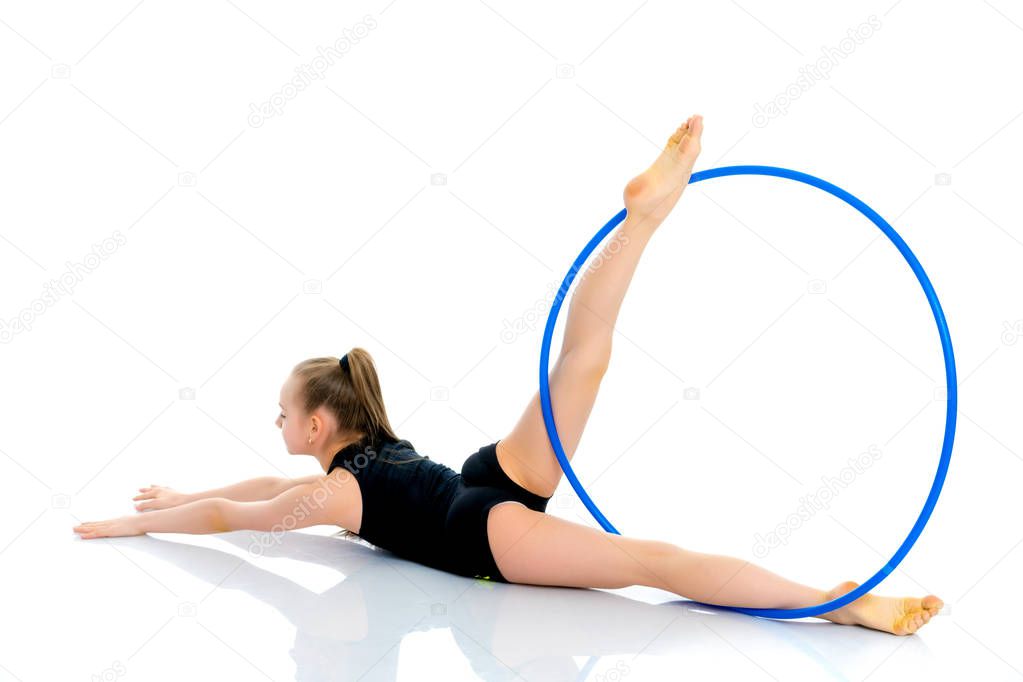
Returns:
(425, 511)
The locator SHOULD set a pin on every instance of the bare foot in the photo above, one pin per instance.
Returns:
(897, 615)
(653, 193)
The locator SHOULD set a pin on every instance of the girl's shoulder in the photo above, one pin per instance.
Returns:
(401, 448)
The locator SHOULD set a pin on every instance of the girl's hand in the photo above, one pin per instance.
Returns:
(112, 528)
(158, 497)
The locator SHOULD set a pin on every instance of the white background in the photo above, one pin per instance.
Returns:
(430, 190)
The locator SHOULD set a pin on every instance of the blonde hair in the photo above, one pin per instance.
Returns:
(352, 396)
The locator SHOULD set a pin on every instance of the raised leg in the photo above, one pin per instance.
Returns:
(526, 454)
(541, 549)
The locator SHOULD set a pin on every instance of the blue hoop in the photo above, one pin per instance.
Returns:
(946, 346)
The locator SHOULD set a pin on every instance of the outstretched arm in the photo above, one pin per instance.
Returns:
(310, 504)
(250, 490)
(254, 489)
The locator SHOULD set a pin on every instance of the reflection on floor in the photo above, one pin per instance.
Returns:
(385, 619)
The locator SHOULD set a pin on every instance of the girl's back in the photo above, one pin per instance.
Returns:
(405, 496)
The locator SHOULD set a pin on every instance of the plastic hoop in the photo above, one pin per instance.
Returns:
(946, 346)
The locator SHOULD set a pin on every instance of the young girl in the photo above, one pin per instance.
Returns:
(489, 521)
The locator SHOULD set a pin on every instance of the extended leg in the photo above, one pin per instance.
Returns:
(526, 454)
(649, 198)
(541, 549)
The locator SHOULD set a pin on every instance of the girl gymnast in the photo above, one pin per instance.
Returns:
(489, 520)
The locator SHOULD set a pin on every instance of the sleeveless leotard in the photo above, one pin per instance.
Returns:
(427, 512)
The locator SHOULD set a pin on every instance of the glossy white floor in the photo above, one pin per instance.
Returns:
(316, 607)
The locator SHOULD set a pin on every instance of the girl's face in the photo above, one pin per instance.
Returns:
(292, 420)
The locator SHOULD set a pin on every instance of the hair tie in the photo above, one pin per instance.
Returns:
(344, 363)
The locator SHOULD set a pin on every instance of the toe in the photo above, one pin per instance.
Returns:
(910, 625)
(678, 135)
(696, 126)
(690, 143)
